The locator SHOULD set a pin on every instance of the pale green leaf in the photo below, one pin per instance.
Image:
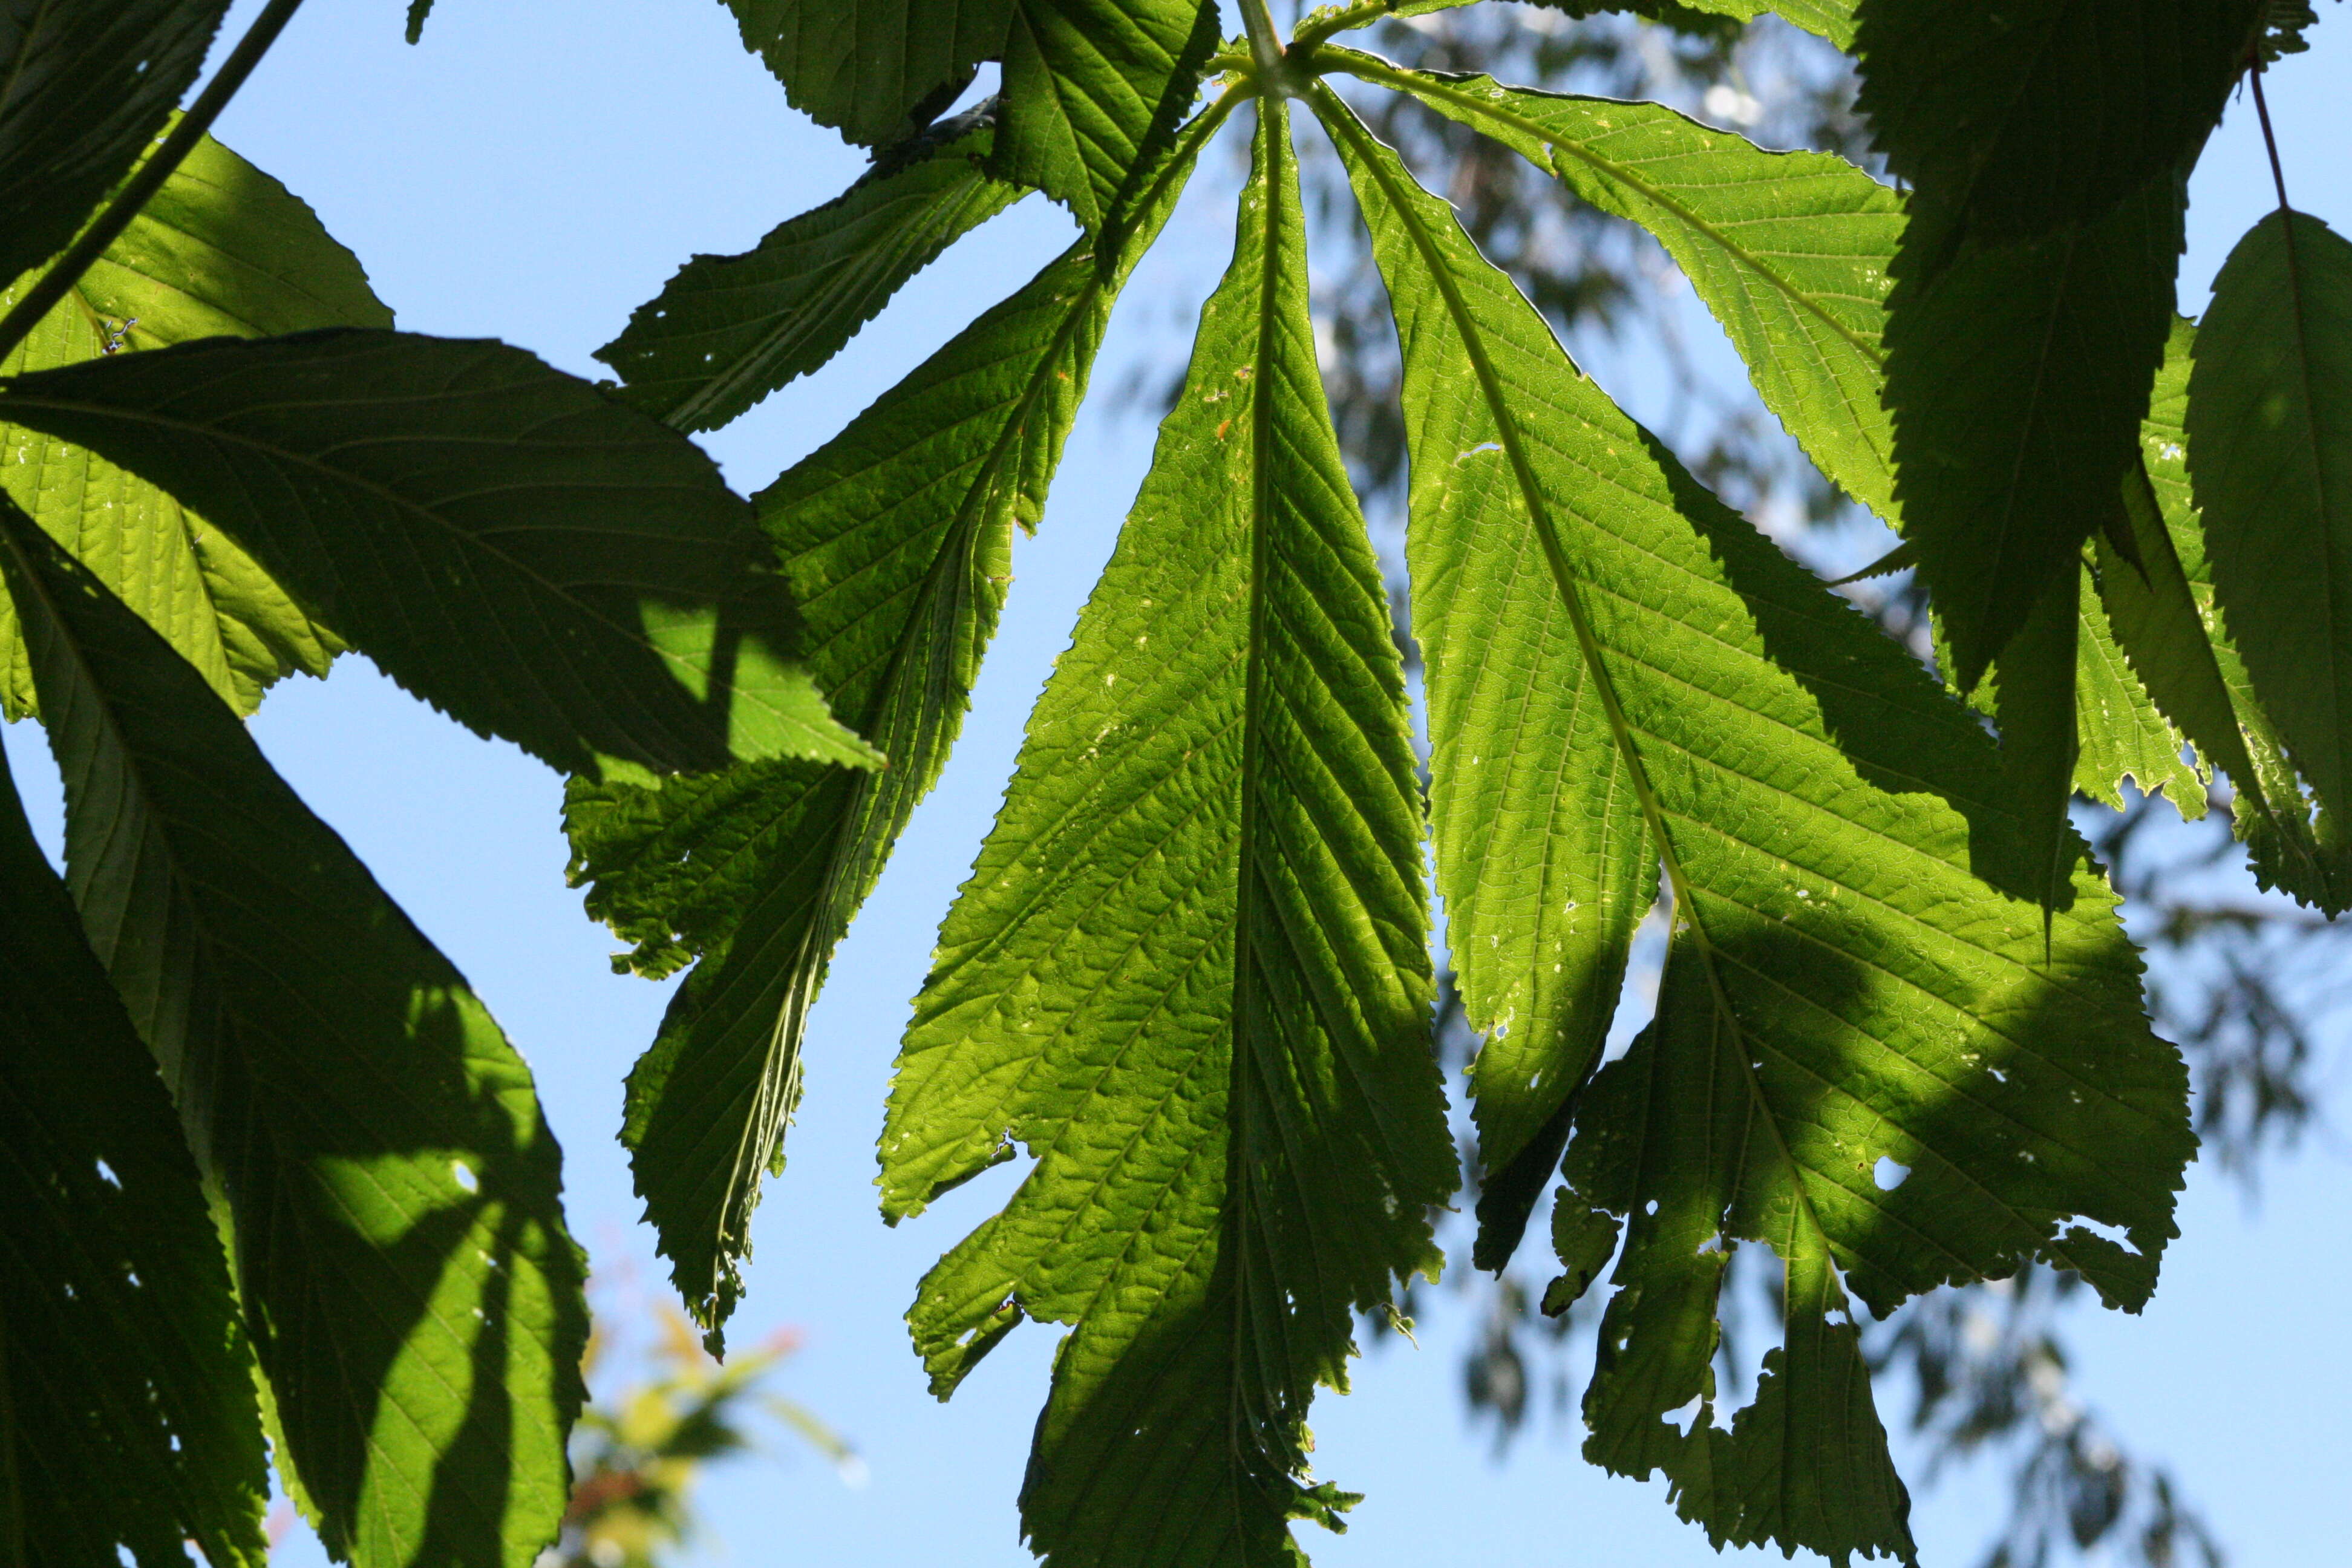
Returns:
(83, 85)
(1189, 975)
(390, 1185)
(220, 249)
(127, 1374)
(1832, 19)
(518, 548)
(2268, 429)
(897, 534)
(1841, 988)
(730, 330)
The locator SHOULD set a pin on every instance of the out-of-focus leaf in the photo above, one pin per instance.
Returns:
(390, 1185)
(128, 1382)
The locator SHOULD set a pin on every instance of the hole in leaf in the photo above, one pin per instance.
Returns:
(462, 1175)
(1888, 1174)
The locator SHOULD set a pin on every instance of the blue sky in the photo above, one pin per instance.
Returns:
(538, 168)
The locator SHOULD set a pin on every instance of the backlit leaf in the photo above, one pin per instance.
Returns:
(1189, 975)
(899, 534)
(83, 85)
(128, 1377)
(730, 330)
(507, 542)
(390, 1184)
(221, 248)
(1840, 988)
(2269, 454)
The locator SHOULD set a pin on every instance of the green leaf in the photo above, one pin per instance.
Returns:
(897, 534)
(2034, 684)
(2121, 732)
(730, 330)
(522, 550)
(391, 1185)
(2268, 429)
(1789, 250)
(1831, 19)
(221, 248)
(1089, 85)
(1190, 974)
(2018, 376)
(83, 85)
(2013, 122)
(2167, 625)
(128, 1376)
(1840, 988)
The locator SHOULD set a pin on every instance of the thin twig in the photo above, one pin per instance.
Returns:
(2270, 141)
(67, 269)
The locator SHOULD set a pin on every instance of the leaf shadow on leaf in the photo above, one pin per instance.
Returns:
(1881, 727)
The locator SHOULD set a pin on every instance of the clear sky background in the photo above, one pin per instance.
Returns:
(537, 169)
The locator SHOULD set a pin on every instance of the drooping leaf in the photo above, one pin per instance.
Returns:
(83, 85)
(1190, 974)
(390, 1184)
(1841, 986)
(2012, 122)
(222, 248)
(897, 534)
(1089, 85)
(523, 550)
(2269, 430)
(128, 1377)
(730, 330)
(2035, 688)
(2018, 375)
(2167, 626)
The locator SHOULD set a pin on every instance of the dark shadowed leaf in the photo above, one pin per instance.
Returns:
(507, 542)
(83, 85)
(2015, 121)
(128, 1377)
(1190, 974)
(898, 534)
(390, 1188)
(1841, 988)
(2018, 376)
(221, 248)
(2269, 454)
(730, 330)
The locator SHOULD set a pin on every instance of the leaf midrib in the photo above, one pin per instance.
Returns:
(1344, 124)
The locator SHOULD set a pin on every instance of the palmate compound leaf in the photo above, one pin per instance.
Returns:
(1841, 988)
(128, 1407)
(222, 248)
(1190, 974)
(518, 548)
(391, 1189)
(899, 534)
(1092, 87)
(1789, 251)
(730, 330)
(2269, 428)
(83, 85)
